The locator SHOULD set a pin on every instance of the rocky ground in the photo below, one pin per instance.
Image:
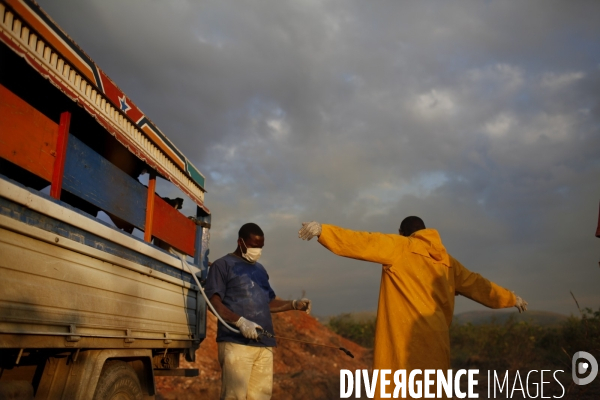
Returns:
(301, 371)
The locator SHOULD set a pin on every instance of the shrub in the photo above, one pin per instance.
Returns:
(360, 332)
(515, 345)
(512, 345)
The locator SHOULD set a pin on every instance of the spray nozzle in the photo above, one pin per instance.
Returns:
(347, 352)
(262, 332)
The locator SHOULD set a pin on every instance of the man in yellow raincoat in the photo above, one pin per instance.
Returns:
(419, 281)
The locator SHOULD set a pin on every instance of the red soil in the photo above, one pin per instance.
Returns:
(301, 371)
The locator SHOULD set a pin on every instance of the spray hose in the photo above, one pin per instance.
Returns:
(185, 264)
(261, 331)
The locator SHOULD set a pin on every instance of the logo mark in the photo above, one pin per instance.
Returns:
(590, 365)
(123, 102)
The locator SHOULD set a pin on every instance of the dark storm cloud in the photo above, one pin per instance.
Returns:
(480, 117)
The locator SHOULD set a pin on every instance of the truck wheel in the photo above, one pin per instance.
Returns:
(118, 381)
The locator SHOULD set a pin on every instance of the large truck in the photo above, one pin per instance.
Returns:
(93, 304)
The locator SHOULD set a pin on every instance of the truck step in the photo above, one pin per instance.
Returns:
(189, 372)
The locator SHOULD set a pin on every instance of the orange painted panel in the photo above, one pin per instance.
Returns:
(150, 207)
(173, 227)
(27, 137)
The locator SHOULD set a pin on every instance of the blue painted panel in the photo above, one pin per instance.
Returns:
(91, 177)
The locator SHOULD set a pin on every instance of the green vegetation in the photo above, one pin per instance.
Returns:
(510, 345)
(360, 331)
(542, 318)
(516, 345)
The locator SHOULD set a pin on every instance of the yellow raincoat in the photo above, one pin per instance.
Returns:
(416, 297)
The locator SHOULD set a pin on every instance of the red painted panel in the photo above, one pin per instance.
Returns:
(61, 154)
(173, 227)
(118, 98)
(28, 137)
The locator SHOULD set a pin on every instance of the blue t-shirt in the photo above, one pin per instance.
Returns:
(244, 289)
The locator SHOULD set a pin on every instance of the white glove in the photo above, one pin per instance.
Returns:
(309, 230)
(520, 304)
(248, 328)
(300, 304)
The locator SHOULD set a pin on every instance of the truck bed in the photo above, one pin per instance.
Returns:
(69, 280)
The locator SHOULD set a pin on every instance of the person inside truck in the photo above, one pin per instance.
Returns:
(238, 288)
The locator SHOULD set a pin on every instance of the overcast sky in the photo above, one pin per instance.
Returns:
(481, 117)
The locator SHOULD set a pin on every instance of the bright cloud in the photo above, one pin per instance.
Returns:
(556, 81)
(435, 103)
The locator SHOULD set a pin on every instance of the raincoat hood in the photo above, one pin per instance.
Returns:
(427, 242)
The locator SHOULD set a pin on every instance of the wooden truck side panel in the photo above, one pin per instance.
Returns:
(49, 289)
(55, 282)
(81, 293)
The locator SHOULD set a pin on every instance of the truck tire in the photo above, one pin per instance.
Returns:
(118, 381)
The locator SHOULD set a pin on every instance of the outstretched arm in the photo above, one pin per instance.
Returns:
(481, 290)
(375, 247)
(277, 305)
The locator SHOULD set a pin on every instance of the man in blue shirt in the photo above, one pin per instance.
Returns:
(239, 290)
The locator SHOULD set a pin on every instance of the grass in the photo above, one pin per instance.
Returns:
(360, 331)
(511, 345)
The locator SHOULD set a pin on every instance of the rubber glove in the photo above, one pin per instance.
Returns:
(309, 230)
(303, 304)
(248, 328)
(520, 304)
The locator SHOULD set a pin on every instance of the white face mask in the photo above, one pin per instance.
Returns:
(252, 254)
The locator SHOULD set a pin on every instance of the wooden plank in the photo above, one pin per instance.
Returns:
(173, 227)
(65, 287)
(87, 308)
(17, 317)
(66, 265)
(36, 202)
(8, 341)
(98, 247)
(61, 154)
(150, 207)
(91, 177)
(28, 137)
